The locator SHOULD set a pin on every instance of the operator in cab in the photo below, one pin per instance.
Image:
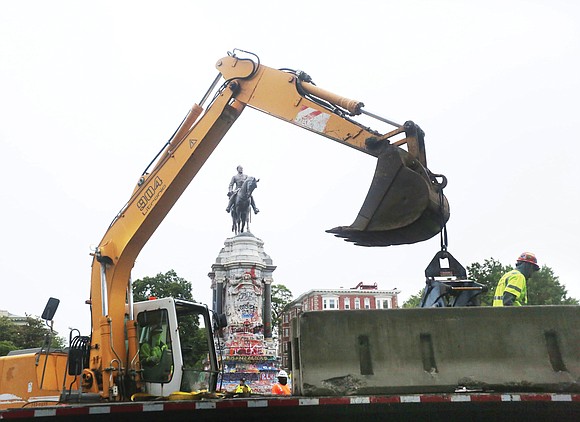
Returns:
(151, 352)
(281, 388)
(512, 287)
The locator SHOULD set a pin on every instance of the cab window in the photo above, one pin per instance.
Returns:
(155, 353)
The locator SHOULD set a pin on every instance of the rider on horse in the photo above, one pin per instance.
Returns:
(237, 180)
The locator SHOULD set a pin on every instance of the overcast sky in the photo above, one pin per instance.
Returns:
(90, 91)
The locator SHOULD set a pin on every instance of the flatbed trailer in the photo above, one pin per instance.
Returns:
(412, 407)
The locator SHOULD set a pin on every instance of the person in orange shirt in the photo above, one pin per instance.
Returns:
(281, 388)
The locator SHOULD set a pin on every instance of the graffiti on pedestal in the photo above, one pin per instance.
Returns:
(245, 351)
(243, 305)
(244, 301)
(244, 346)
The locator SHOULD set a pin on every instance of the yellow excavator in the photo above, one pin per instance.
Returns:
(405, 204)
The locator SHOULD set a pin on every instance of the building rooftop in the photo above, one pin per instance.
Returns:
(359, 289)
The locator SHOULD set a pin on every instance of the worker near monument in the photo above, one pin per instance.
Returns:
(238, 180)
(243, 389)
(281, 388)
(512, 287)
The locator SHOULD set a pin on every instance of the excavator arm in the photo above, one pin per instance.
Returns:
(404, 204)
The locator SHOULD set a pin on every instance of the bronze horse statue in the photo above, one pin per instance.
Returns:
(241, 209)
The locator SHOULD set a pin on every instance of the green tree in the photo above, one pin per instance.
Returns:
(281, 297)
(162, 285)
(414, 301)
(193, 340)
(7, 330)
(199, 348)
(26, 336)
(544, 288)
(487, 273)
(6, 346)
(33, 334)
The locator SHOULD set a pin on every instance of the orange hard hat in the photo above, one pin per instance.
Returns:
(529, 257)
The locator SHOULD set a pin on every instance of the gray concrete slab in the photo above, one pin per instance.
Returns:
(534, 348)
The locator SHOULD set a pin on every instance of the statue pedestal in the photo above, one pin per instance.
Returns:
(241, 278)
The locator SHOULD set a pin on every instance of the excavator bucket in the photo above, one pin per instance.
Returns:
(404, 204)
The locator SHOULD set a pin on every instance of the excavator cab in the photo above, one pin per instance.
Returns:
(405, 202)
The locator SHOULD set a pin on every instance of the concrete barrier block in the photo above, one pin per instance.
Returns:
(534, 348)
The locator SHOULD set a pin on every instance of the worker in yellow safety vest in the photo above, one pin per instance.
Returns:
(512, 288)
(243, 389)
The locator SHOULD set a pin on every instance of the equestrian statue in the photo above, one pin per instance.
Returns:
(240, 193)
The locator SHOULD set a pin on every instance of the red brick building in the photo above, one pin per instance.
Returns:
(360, 297)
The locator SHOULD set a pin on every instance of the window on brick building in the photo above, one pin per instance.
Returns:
(357, 303)
(367, 303)
(383, 303)
(346, 303)
(329, 303)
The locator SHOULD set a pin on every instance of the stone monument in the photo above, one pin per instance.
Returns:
(241, 280)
